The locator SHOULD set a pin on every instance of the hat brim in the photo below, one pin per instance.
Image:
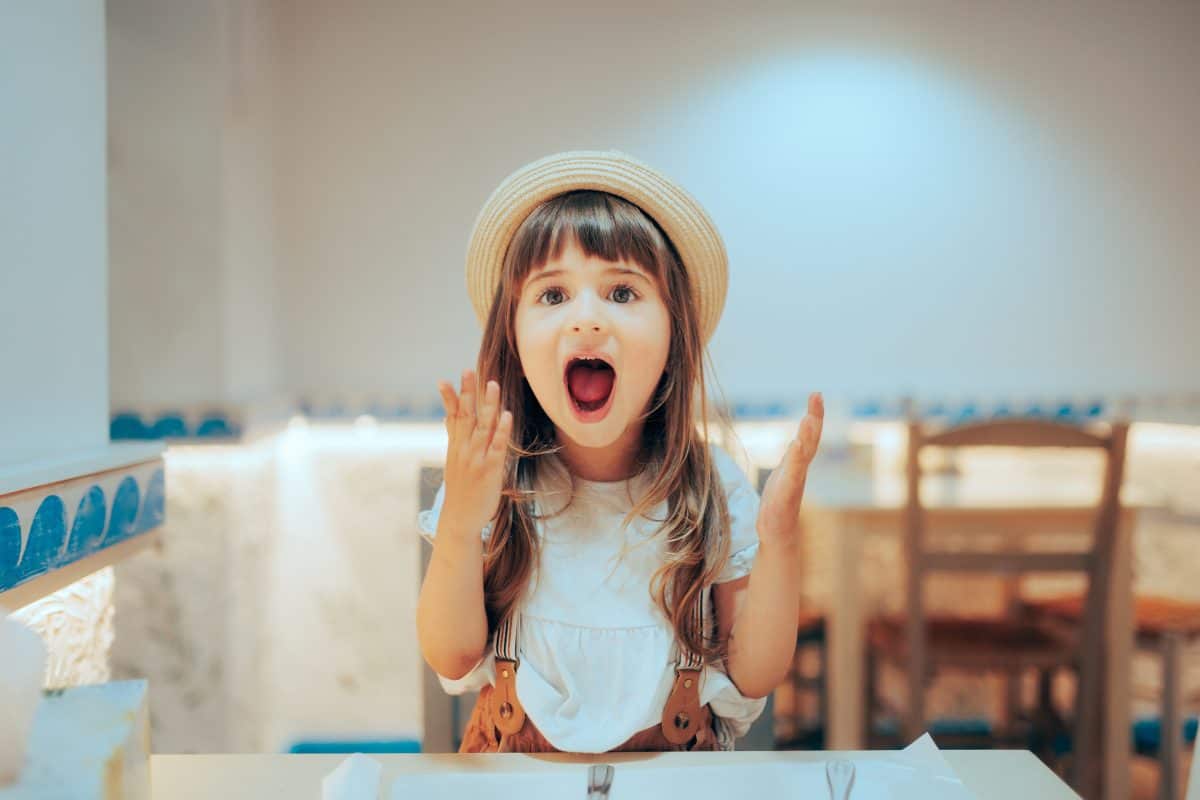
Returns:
(684, 221)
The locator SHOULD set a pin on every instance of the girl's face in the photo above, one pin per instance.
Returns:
(579, 305)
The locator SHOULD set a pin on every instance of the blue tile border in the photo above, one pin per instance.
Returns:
(885, 409)
(383, 410)
(306, 746)
(45, 528)
(229, 423)
(211, 425)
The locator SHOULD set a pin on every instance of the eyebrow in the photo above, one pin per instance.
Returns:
(553, 273)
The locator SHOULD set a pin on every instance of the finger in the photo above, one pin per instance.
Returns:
(790, 477)
(808, 438)
(449, 403)
(500, 440)
(486, 424)
(809, 433)
(466, 405)
(816, 412)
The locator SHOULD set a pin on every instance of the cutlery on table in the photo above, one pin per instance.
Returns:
(600, 778)
(839, 773)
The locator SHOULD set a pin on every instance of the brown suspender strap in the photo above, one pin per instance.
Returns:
(507, 712)
(681, 715)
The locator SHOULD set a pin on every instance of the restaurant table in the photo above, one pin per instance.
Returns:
(851, 504)
(989, 774)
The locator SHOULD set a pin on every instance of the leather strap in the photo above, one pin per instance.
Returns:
(507, 711)
(681, 718)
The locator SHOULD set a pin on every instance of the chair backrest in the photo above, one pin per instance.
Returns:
(1094, 563)
(1032, 434)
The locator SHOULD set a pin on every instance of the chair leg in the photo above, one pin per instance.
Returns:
(1171, 730)
(917, 676)
(1012, 698)
(1048, 723)
(1085, 752)
(868, 697)
(823, 692)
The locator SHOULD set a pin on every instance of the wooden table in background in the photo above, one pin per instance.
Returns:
(851, 504)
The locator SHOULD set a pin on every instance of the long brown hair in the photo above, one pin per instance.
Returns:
(674, 442)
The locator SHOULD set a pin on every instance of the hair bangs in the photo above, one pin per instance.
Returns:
(602, 225)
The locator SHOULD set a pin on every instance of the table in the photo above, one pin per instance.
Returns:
(853, 503)
(990, 775)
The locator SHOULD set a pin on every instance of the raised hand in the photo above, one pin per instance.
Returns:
(779, 506)
(475, 456)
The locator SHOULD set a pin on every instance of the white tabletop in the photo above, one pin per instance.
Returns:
(990, 775)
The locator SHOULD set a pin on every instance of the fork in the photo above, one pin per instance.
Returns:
(600, 778)
(839, 773)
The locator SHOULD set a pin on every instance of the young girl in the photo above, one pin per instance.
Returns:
(606, 578)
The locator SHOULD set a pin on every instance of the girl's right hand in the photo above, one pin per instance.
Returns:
(475, 456)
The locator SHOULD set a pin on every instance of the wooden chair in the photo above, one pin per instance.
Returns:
(921, 642)
(1161, 625)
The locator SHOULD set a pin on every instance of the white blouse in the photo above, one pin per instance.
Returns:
(597, 655)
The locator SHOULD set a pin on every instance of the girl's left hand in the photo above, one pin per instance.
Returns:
(779, 506)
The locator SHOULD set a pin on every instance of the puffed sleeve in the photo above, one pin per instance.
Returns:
(742, 500)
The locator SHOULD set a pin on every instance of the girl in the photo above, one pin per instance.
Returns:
(604, 576)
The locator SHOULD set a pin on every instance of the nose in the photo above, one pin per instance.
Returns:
(588, 316)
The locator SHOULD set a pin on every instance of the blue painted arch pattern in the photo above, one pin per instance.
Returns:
(49, 527)
(213, 424)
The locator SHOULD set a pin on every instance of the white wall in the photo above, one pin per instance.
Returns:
(53, 238)
(948, 197)
(253, 362)
(164, 195)
(193, 288)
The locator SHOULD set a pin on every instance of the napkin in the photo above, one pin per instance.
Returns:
(918, 772)
(22, 671)
(356, 778)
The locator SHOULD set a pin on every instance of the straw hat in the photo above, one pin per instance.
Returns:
(676, 212)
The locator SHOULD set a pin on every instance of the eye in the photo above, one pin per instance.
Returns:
(622, 291)
(552, 291)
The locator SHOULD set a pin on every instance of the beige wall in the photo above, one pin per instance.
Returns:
(983, 200)
(191, 186)
(994, 199)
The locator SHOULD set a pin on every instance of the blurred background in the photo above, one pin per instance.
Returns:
(240, 227)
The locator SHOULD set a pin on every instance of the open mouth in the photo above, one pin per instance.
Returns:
(590, 383)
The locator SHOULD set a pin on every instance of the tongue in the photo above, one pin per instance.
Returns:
(590, 384)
